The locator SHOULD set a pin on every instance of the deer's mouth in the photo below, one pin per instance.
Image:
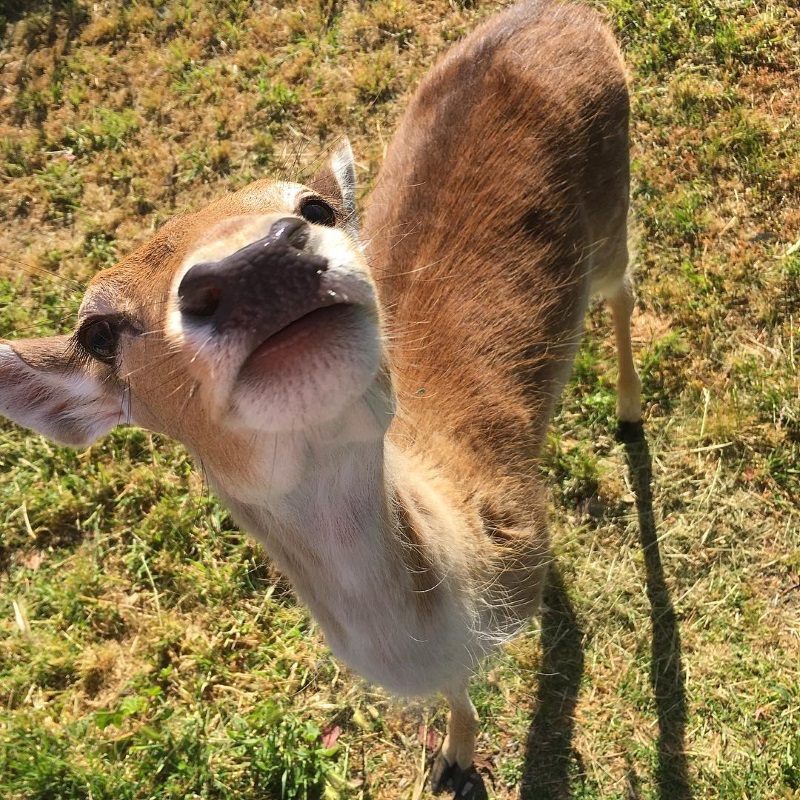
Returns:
(310, 334)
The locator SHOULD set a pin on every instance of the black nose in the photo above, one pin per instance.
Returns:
(254, 280)
(290, 230)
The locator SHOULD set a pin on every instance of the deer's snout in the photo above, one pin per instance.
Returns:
(267, 282)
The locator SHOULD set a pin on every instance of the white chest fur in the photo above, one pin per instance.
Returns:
(394, 610)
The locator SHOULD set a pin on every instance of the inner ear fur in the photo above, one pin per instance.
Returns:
(45, 388)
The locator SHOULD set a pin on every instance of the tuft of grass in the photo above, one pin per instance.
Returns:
(62, 186)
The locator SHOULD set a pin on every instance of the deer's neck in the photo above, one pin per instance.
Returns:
(365, 537)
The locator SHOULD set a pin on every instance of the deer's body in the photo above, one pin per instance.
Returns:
(378, 427)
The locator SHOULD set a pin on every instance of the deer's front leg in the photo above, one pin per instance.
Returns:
(452, 763)
(629, 387)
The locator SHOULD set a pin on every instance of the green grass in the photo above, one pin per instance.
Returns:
(147, 650)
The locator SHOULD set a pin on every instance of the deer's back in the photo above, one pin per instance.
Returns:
(496, 198)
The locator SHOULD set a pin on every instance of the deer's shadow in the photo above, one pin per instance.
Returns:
(552, 764)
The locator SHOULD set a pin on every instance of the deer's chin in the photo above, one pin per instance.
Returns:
(306, 374)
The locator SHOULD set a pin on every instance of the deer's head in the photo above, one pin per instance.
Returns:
(252, 320)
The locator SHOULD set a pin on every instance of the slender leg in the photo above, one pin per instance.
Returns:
(629, 387)
(453, 761)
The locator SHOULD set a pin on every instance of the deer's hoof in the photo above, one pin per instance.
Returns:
(465, 784)
(628, 432)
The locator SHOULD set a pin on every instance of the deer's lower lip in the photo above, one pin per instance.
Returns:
(308, 332)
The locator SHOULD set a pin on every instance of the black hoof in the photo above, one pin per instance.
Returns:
(628, 432)
(465, 784)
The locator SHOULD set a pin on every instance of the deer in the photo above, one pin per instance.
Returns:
(370, 399)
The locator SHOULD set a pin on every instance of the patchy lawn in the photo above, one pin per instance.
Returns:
(146, 648)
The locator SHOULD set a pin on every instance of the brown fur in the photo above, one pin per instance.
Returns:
(509, 169)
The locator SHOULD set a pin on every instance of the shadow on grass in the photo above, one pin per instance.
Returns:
(71, 14)
(666, 665)
(548, 750)
(551, 763)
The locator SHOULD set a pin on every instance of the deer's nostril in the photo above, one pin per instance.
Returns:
(290, 230)
(199, 295)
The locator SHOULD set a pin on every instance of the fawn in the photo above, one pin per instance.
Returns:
(371, 405)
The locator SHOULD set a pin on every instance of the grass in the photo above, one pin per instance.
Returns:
(147, 650)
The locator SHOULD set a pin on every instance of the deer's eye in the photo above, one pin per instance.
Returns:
(99, 339)
(317, 212)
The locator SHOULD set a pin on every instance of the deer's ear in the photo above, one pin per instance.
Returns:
(45, 388)
(336, 182)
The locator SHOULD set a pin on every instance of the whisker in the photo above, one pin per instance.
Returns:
(189, 396)
(32, 269)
